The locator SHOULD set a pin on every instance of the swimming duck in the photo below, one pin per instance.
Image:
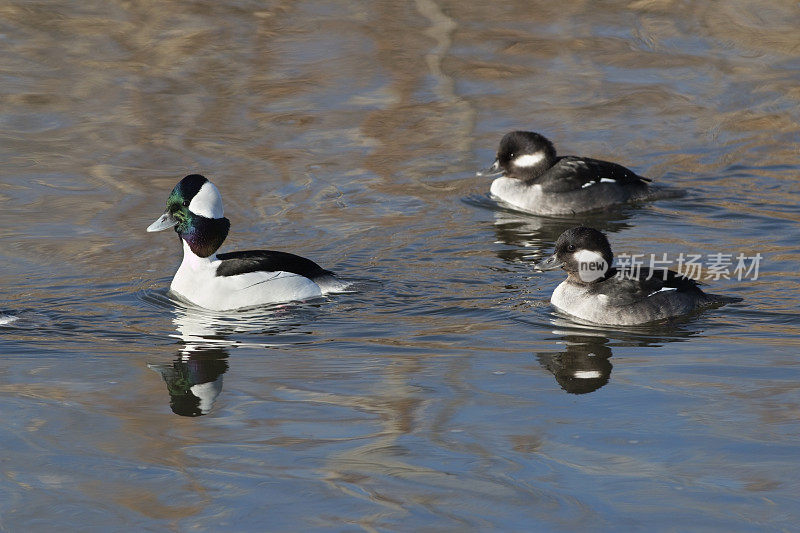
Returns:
(231, 280)
(533, 179)
(596, 292)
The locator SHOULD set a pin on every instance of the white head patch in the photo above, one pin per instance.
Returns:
(207, 202)
(529, 160)
(591, 265)
(207, 393)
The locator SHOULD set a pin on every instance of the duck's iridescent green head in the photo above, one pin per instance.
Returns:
(194, 209)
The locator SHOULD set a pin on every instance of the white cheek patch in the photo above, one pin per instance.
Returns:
(529, 160)
(587, 184)
(591, 265)
(588, 256)
(207, 202)
(587, 374)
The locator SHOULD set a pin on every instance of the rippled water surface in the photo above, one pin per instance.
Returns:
(444, 393)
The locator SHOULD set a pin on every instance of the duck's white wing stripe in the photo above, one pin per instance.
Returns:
(665, 289)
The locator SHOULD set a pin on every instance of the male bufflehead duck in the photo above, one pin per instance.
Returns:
(236, 279)
(598, 293)
(535, 180)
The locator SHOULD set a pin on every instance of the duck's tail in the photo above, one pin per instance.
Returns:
(329, 282)
(717, 300)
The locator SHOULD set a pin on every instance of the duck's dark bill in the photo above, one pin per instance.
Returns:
(493, 170)
(165, 221)
(550, 263)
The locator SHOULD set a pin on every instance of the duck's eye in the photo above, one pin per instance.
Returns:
(571, 248)
(186, 203)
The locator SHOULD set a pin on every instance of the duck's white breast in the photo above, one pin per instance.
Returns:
(572, 299)
(512, 191)
(196, 281)
(532, 199)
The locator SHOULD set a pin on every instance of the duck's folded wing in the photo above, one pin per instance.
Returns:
(235, 263)
(632, 285)
(571, 173)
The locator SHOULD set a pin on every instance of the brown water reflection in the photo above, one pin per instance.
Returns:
(431, 398)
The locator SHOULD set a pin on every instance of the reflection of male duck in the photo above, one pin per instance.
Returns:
(194, 379)
(583, 366)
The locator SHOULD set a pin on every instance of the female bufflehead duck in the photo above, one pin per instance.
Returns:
(235, 279)
(535, 180)
(598, 293)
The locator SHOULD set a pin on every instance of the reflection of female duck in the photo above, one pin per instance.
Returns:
(532, 235)
(583, 366)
